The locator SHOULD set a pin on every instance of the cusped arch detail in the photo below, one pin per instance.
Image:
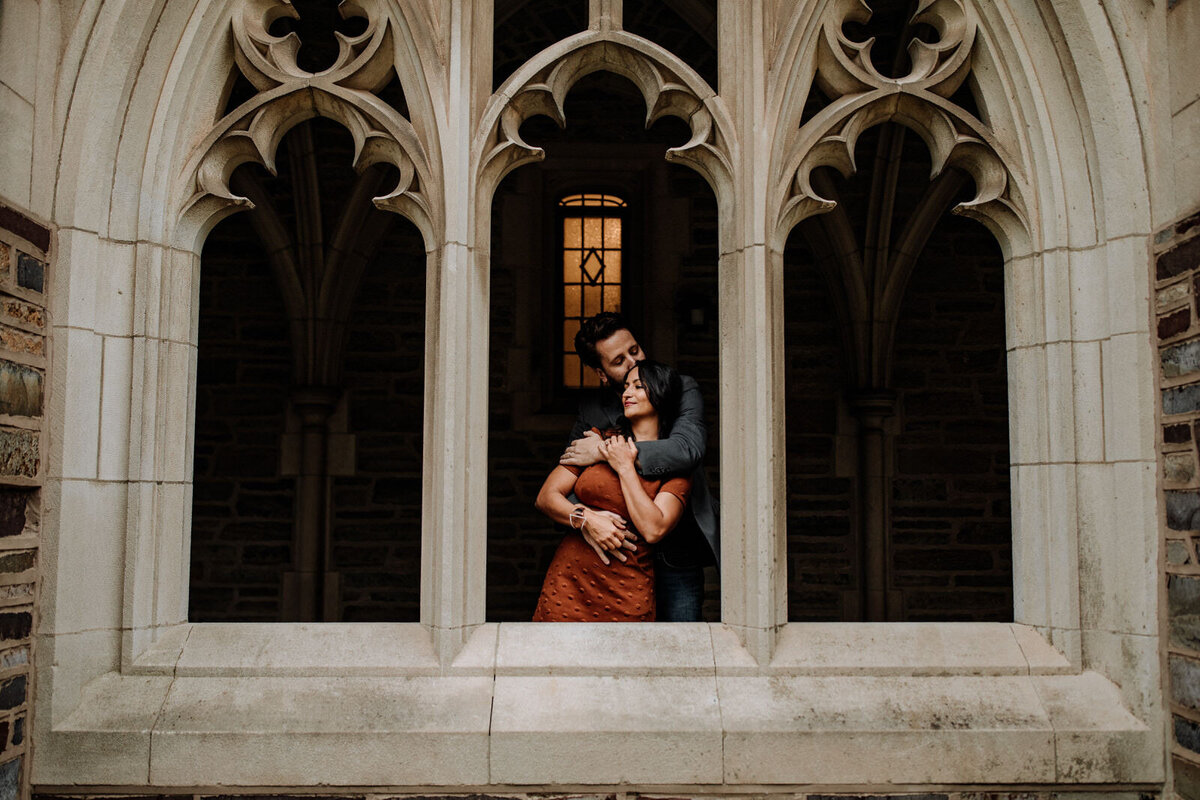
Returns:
(668, 85)
(288, 96)
(863, 98)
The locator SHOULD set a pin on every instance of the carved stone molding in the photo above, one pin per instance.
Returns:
(863, 98)
(289, 95)
(668, 86)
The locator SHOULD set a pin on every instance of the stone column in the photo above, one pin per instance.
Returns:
(872, 408)
(750, 277)
(454, 501)
(305, 595)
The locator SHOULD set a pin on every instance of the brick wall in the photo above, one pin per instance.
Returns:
(949, 524)
(951, 532)
(242, 506)
(24, 271)
(1177, 304)
(670, 286)
(821, 548)
(243, 502)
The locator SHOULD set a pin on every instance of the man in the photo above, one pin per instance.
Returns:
(605, 344)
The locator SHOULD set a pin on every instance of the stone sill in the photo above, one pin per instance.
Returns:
(598, 705)
(529, 649)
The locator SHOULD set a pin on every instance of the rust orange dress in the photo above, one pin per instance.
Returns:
(578, 586)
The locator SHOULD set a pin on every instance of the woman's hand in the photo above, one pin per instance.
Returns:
(606, 531)
(620, 453)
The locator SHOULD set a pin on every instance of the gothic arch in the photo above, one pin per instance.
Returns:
(668, 85)
(288, 95)
(863, 98)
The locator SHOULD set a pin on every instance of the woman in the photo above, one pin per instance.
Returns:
(580, 586)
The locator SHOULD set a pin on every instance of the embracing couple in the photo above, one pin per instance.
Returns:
(631, 488)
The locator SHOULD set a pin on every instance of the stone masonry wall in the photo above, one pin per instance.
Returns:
(242, 507)
(1177, 304)
(24, 270)
(950, 529)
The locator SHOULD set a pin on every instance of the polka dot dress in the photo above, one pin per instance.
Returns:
(578, 586)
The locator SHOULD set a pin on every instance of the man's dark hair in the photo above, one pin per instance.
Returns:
(597, 329)
(663, 389)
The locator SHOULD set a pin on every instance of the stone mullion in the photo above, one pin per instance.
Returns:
(753, 463)
(454, 515)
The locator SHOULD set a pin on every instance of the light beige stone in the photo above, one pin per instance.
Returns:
(1089, 720)
(106, 741)
(622, 730)
(534, 648)
(898, 648)
(1186, 166)
(1128, 260)
(84, 583)
(878, 730)
(1087, 417)
(115, 288)
(16, 146)
(1039, 654)
(73, 409)
(307, 731)
(306, 649)
(115, 400)
(1027, 401)
(19, 27)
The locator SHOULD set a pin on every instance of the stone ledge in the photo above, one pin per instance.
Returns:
(632, 731)
(598, 649)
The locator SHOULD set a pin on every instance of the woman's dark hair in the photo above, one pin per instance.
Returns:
(663, 390)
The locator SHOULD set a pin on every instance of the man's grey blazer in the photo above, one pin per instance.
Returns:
(696, 540)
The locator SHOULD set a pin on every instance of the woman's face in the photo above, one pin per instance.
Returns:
(633, 398)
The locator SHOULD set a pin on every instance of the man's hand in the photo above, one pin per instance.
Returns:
(582, 452)
(620, 453)
(606, 531)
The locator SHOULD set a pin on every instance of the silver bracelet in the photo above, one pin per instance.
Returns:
(577, 513)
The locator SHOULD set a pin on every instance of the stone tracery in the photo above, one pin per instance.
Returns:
(289, 95)
(668, 86)
(863, 98)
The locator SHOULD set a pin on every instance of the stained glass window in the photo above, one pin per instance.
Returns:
(591, 255)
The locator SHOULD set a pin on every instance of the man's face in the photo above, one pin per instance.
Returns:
(617, 354)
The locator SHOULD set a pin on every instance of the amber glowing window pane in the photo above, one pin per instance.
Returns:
(591, 259)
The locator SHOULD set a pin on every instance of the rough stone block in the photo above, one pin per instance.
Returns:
(12, 692)
(1181, 399)
(19, 453)
(1180, 359)
(1183, 510)
(18, 341)
(10, 780)
(31, 273)
(15, 625)
(1179, 467)
(1177, 552)
(1177, 434)
(1187, 733)
(1183, 258)
(1185, 681)
(20, 390)
(1171, 296)
(18, 562)
(22, 313)
(1174, 323)
(13, 510)
(1183, 604)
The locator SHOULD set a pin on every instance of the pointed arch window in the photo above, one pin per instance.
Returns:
(592, 239)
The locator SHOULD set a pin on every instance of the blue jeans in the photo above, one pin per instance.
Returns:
(680, 592)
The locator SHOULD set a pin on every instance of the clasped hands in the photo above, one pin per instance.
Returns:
(605, 531)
